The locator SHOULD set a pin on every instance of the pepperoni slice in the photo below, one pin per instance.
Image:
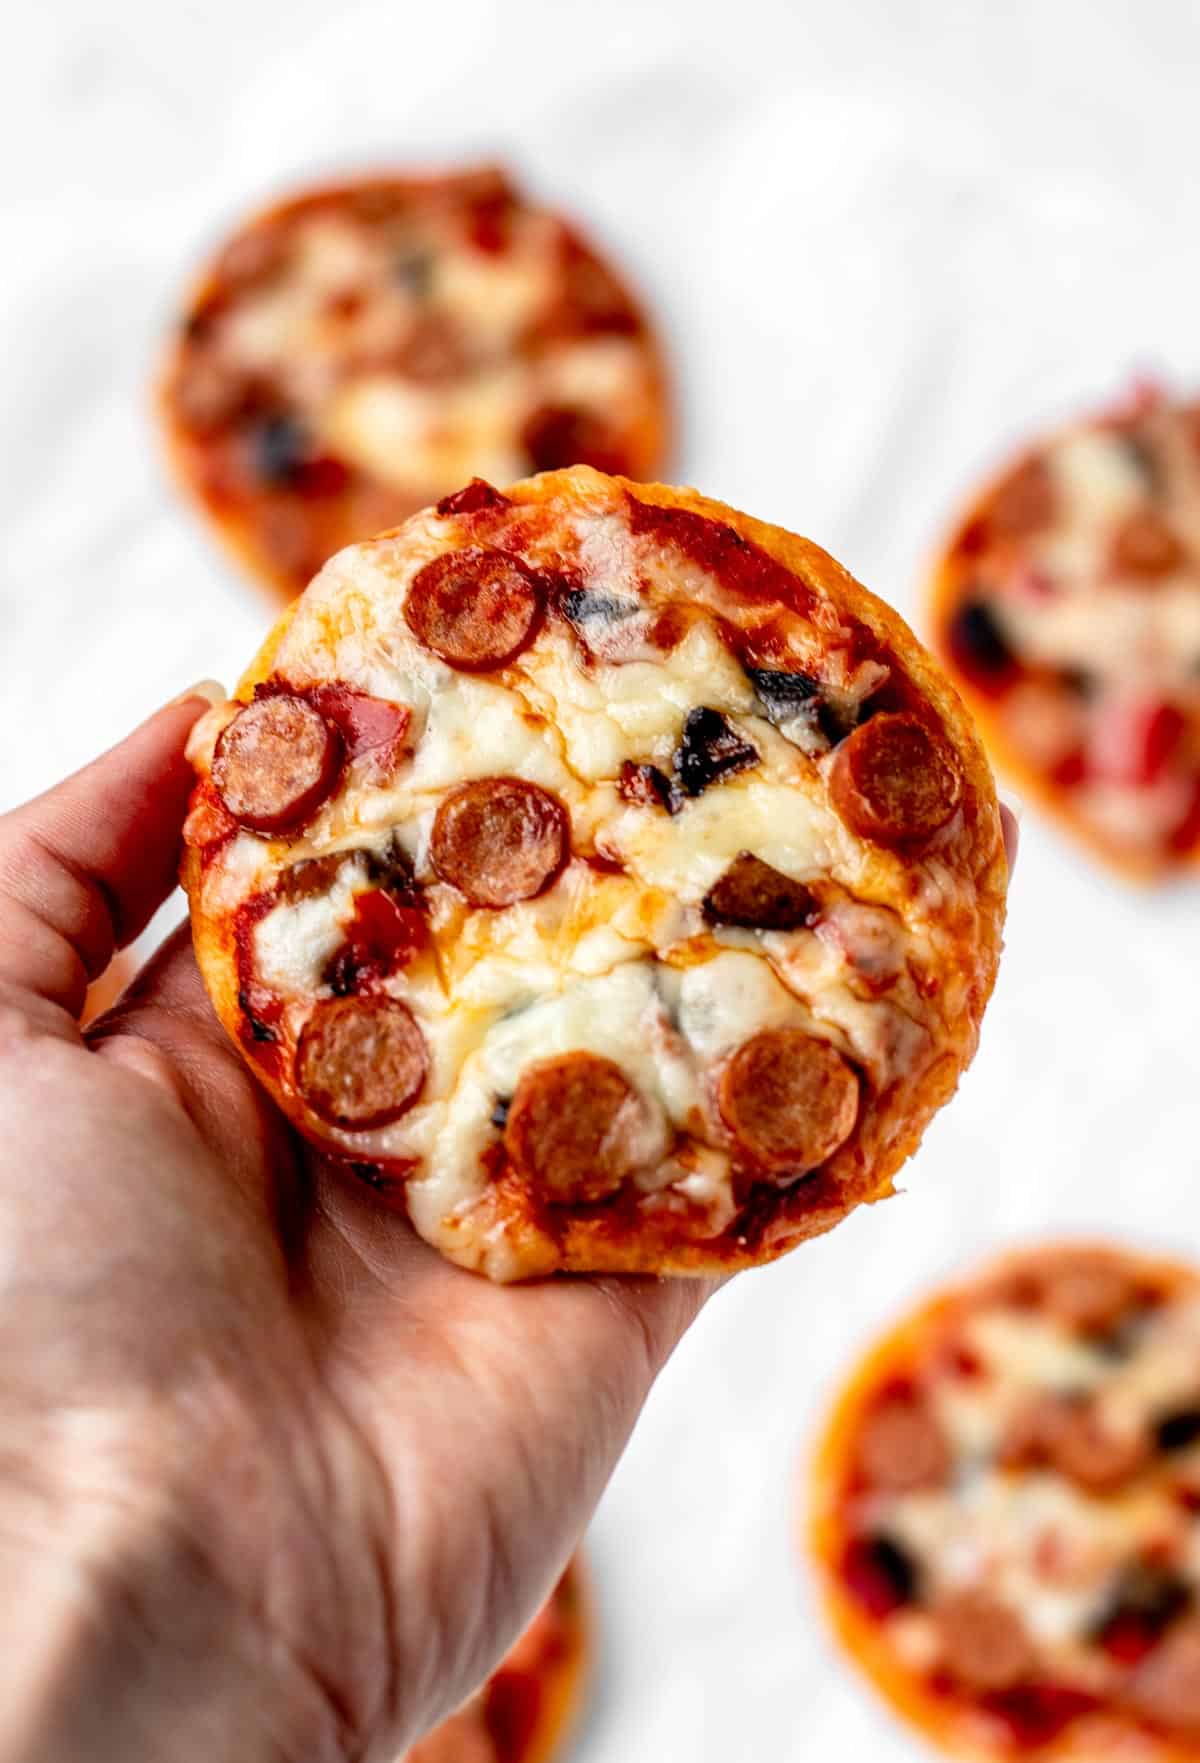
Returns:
(361, 1062)
(983, 1642)
(753, 894)
(894, 780)
(902, 1447)
(789, 1100)
(1166, 1685)
(475, 609)
(576, 1127)
(275, 763)
(499, 840)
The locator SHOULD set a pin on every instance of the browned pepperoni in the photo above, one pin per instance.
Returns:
(902, 1447)
(499, 840)
(275, 763)
(983, 1641)
(475, 608)
(753, 894)
(361, 1061)
(575, 1127)
(1145, 546)
(895, 780)
(789, 1100)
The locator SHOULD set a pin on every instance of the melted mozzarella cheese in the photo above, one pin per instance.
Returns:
(421, 438)
(294, 942)
(686, 853)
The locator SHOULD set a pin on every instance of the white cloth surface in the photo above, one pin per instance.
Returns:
(883, 240)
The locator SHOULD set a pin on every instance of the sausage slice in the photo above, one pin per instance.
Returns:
(753, 894)
(983, 1642)
(902, 1447)
(475, 609)
(788, 1099)
(275, 763)
(1166, 1685)
(894, 780)
(576, 1127)
(499, 840)
(361, 1062)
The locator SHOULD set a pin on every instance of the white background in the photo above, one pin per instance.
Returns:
(882, 238)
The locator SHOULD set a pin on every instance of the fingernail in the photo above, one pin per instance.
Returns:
(211, 690)
(1015, 806)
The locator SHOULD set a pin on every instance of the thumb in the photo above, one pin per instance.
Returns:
(85, 866)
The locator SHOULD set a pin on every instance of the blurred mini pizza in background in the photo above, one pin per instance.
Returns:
(358, 350)
(1067, 604)
(1006, 1510)
(525, 1711)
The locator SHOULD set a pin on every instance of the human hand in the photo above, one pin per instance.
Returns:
(277, 1481)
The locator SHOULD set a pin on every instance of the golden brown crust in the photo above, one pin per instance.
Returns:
(651, 444)
(824, 1535)
(593, 1239)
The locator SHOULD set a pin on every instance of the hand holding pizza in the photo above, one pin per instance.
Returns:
(277, 1478)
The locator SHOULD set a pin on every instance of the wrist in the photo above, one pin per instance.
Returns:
(126, 1632)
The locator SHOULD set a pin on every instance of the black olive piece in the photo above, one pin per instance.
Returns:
(1177, 1430)
(978, 642)
(783, 688)
(784, 693)
(894, 1565)
(711, 749)
(281, 449)
(371, 1173)
(414, 270)
(1144, 457)
(500, 1110)
(1142, 1597)
(589, 610)
(259, 1030)
(1080, 681)
(649, 786)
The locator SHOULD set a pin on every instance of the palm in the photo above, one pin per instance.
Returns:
(393, 1457)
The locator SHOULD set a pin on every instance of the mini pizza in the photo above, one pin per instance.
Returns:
(1007, 1515)
(357, 351)
(525, 1711)
(604, 875)
(1068, 604)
